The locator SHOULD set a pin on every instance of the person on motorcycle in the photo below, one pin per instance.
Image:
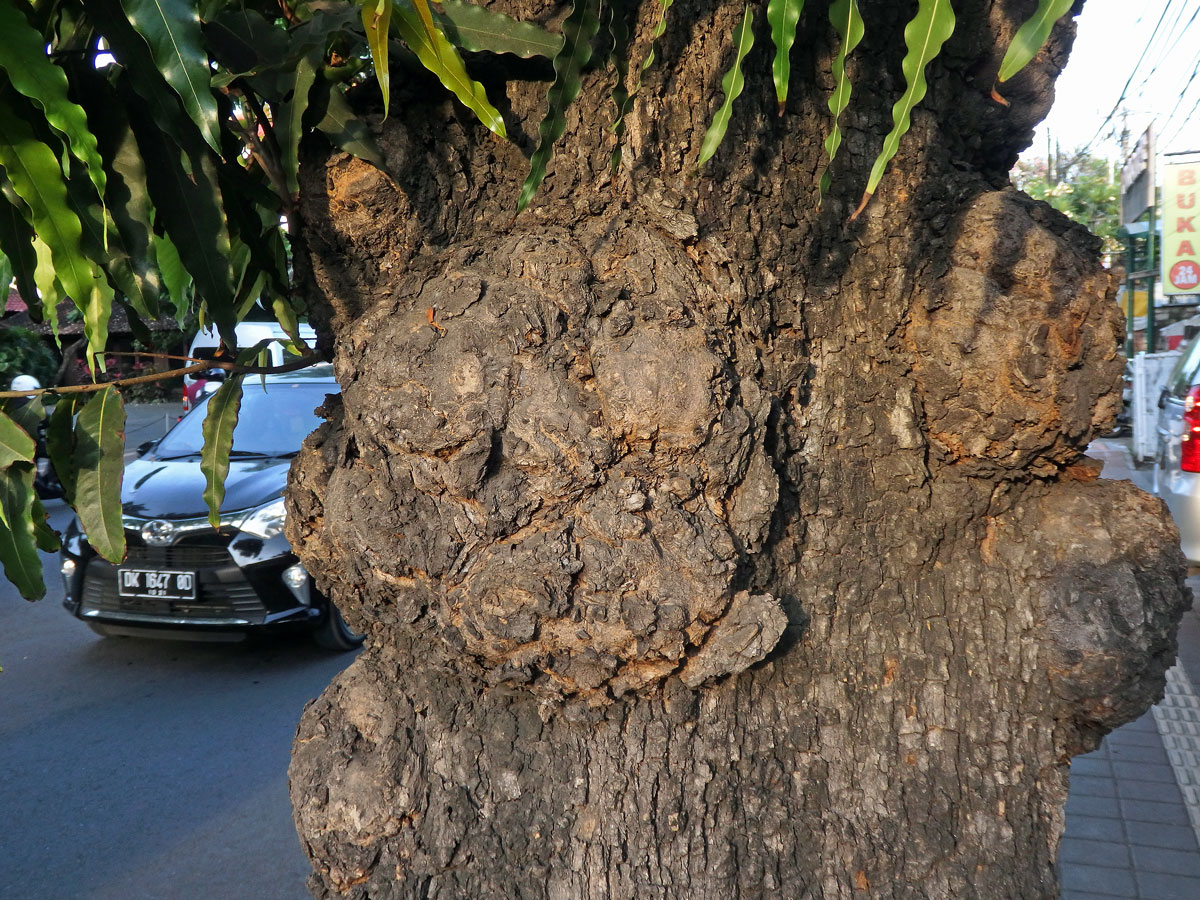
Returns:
(24, 383)
(45, 480)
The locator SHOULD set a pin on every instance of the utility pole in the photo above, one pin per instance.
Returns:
(1051, 174)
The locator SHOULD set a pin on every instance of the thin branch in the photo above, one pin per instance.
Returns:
(289, 13)
(267, 153)
(303, 362)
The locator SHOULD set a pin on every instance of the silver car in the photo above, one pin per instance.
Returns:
(1177, 460)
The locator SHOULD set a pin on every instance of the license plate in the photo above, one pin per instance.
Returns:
(156, 583)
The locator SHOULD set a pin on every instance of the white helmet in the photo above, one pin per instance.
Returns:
(25, 383)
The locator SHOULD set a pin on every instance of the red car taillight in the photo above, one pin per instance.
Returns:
(1189, 448)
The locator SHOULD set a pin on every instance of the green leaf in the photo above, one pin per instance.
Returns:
(175, 277)
(924, 36)
(475, 28)
(376, 18)
(99, 467)
(60, 443)
(15, 444)
(441, 58)
(28, 412)
(848, 23)
(184, 186)
(103, 243)
(344, 129)
(35, 175)
(783, 16)
(1031, 35)
(45, 536)
(289, 322)
(731, 85)
(151, 96)
(172, 29)
(578, 30)
(23, 58)
(219, 422)
(128, 197)
(289, 126)
(48, 286)
(16, 241)
(18, 538)
(6, 275)
(245, 44)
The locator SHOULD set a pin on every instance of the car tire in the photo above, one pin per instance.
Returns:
(335, 634)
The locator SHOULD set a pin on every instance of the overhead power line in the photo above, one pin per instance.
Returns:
(1179, 101)
(1165, 54)
(1129, 81)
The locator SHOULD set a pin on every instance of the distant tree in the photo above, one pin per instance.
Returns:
(1083, 187)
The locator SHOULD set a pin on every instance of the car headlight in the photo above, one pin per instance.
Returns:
(266, 521)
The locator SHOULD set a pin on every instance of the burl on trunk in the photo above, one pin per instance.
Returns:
(710, 545)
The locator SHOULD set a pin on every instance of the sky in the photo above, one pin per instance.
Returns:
(1120, 62)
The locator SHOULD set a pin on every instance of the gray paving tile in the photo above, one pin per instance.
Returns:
(1151, 834)
(1144, 722)
(1121, 739)
(1097, 880)
(1080, 804)
(1159, 792)
(1091, 765)
(1144, 771)
(1174, 862)
(1105, 828)
(1147, 811)
(1160, 886)
(1096, 853)
(1093, 785)
(1148, 753)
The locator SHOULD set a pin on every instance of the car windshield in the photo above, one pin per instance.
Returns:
(273, 421)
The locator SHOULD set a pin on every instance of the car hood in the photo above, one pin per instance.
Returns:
(174, 488)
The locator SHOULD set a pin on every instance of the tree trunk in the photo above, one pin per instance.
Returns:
(711, 545)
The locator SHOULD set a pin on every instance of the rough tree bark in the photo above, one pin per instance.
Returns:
(710, 545)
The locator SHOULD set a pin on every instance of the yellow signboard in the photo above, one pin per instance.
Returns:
(1180, 224)
(1139, 305)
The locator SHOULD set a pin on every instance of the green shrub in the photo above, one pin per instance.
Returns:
(24, 352)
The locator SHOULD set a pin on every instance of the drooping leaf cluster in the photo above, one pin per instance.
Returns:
(149, 154)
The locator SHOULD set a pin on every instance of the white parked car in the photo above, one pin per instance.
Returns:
(1177, 459)
(204, 346)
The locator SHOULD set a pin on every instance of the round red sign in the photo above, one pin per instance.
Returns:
(1185, 275)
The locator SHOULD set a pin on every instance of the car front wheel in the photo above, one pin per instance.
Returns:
(335, 634)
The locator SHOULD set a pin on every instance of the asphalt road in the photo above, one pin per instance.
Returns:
(134, 769)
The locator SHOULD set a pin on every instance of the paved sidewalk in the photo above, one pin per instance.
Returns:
(1133, 815)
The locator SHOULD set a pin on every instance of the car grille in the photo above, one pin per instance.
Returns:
(178, 556)
(232, 600)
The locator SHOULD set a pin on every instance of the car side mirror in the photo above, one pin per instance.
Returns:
(145, 447)
(1162, 398)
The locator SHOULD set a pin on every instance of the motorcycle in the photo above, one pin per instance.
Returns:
(29, 413)
(45, 479)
